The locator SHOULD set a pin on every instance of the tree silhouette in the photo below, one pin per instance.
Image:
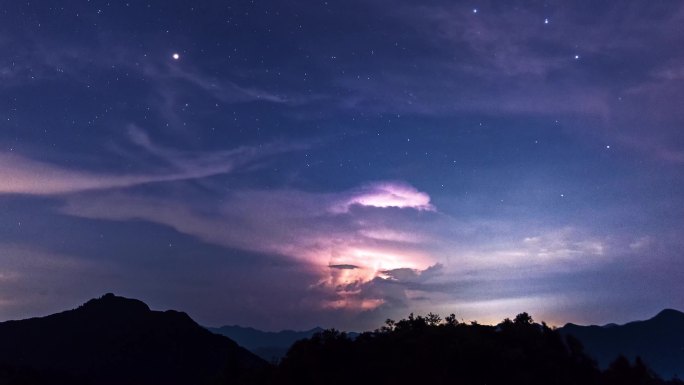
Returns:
(430, 349)
(523, 319)
(622, 372)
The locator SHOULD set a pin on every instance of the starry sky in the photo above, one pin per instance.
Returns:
(289, 164)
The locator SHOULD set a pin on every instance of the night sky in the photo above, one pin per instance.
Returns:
(288, 164)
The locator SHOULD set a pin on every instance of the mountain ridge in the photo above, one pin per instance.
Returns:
(659, 341)
(271, 346)
(116, 340)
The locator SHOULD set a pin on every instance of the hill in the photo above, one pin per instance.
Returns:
(115, 340)
(270, 346)
(659, 341)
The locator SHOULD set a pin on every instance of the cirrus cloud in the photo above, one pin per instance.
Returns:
(26, 176)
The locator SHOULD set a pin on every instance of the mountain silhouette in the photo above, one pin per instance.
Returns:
(270, 346)
(116, 340)
(659, 342)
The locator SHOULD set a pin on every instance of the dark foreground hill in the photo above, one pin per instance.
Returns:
(270, 346)
(659, 341)
(115, 340)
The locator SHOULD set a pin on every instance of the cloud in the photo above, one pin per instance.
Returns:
(367, 256)
(22, 175)
(288, 222)
(297, 225)
(384, 195)
(406, 275)
(26, 176)
(642, 243)
(343, 267)
(548, 250)
(391, 289)
(221, 89)
(650, 116)
(388, 234)
(361, 264)
(71, 60)
(477, 66)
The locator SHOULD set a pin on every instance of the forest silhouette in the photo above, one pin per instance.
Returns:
(432, 350)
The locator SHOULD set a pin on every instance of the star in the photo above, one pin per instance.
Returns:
(577, 57)
(474, 10)
(546, 21)
(175, 56)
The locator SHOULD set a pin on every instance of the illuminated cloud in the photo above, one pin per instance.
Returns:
(386, 234)
(387, 194)
(343, 250)
(388, 289)
(412, 275)
(365, 257)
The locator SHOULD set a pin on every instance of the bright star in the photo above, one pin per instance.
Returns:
(546, 21)
(175, 56)
(576, 57)
(474, 10)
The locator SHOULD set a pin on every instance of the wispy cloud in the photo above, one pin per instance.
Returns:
(561, 63)
(22, 175)
(223, 90)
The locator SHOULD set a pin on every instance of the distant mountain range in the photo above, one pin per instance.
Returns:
(659, 341)
(270, 346)
(115, 340)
